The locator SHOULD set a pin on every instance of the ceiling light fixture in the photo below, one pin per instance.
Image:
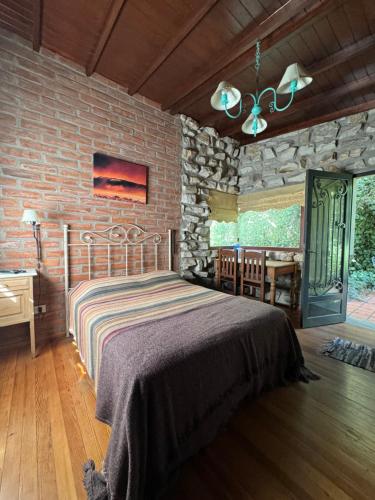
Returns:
(226, 96)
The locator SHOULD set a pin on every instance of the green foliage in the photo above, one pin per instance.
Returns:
(362, 270)
(272, 228)
(223, 234)
(364, 240)
(361, 283)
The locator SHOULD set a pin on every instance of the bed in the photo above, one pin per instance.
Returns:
(171, 361)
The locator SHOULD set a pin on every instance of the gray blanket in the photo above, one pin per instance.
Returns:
(167, 387)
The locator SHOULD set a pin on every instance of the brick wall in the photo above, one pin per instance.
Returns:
(53, 118)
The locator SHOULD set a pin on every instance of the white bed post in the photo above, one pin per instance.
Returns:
(142, 260)
(170, 250)
(109, 266)
(66, 276)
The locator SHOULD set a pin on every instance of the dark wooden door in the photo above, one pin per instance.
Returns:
(328, 205)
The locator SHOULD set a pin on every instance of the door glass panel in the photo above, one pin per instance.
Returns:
(327, 230)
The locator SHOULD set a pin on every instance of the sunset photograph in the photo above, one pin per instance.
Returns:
(119, 179)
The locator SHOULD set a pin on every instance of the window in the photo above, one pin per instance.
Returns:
(223, 234)
(279, 227)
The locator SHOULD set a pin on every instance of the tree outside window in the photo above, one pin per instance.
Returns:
(270, 228)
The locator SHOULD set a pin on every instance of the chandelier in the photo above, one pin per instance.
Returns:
(226, 96)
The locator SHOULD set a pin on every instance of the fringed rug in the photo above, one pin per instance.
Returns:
(351, 353)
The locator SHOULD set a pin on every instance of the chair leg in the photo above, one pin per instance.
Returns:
(262, 294)
(217, 282)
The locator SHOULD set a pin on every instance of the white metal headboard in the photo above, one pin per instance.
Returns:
(123, 236)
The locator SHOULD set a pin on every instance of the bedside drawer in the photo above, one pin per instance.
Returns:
(13, 307)
(14, 284)
(16, 302)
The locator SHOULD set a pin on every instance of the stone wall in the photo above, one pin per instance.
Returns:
(208, 162)
(346, 144)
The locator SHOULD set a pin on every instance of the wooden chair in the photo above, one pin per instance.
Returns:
(227, 268)
(253, 272)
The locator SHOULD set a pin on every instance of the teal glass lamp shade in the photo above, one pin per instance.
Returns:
(218, 99)
(294, 73)
(250, 127)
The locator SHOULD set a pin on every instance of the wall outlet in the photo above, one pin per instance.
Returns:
(40, 309)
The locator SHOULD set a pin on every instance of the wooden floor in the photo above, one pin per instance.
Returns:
(314, 441)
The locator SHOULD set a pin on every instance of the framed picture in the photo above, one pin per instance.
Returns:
(117, 179)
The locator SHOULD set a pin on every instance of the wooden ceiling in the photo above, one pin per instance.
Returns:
(176, 51)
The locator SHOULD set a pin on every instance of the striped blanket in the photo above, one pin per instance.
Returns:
(102, 308)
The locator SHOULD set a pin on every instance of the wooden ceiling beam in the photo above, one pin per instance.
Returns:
(172, 45)
(343, 55)
(318, 101)
(335, 115)
(37, 24)
(109, 24)
(241, 52)
(339, 57)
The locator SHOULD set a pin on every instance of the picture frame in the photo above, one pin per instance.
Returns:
(119, 179)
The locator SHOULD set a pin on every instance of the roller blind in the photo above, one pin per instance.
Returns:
(272, 198)
(223, 206)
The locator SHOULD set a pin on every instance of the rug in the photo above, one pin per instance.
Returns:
(359, 355)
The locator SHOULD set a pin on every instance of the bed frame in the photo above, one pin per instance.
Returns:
(123, 236)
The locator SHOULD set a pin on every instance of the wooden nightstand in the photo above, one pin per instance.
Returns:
(16, 301)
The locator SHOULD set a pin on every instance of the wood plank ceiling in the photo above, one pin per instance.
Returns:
(175, 52)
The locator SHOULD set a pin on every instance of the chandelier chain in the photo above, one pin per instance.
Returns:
(257, 57)
(257, 63)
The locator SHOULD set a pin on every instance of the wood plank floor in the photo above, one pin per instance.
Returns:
(305, 441)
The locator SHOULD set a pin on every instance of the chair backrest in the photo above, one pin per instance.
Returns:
(253, 265)
(228, 263)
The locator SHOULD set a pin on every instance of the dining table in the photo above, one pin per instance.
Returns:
(274, 269)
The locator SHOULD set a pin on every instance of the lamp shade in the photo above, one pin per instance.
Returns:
(294, 72)
(233, 96)
(248, 125)
(30, 217)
